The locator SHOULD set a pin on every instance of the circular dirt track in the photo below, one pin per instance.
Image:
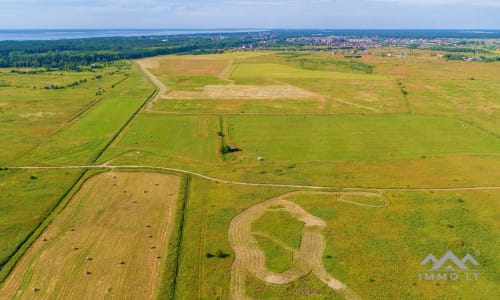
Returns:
(249, 257)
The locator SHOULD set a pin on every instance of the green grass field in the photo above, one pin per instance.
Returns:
(79, 126)
(376, 251)
(318, 138)
(82, 140)
(27, 198)
(247, 72)
(188, 139)
(376, 122)
(31, 114)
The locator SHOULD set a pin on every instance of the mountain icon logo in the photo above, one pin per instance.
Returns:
(449, 262)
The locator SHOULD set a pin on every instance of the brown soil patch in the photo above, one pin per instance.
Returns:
(250, 92)
(150, 63)
(109, 242)
(175, 65)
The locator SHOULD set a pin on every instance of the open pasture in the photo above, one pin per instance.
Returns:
(368, 139)
(374, 244)
(211, 106)
(377, 122)
(476, 101)
(180, 73)
(49, 126)
(29, 113)
(328, 85)
(323, 138)
(42, 126)
(372, 84)
(248, 92)
(466, 90)
(27, 197)
(184, 139)
(81, 139)
(246, 72)
(109, 242)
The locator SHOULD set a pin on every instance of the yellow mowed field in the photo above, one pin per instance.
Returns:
(109, 242)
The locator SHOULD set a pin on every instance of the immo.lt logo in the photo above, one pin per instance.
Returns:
(449, 267)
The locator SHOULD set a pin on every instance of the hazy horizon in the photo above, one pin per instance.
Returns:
(225, 14)
(60, 34)
(240, 28)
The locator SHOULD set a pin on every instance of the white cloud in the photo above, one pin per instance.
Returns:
(251, 13)
(494, 3)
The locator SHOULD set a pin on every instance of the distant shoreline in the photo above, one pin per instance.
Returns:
(61, 34)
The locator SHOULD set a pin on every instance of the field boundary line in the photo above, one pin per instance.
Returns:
(159, 112)
(73, 118)
(180, 235)
(474, 125)
(201, 247)
(315, 187)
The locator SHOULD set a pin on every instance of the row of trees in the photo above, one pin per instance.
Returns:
(450, 56)
(71, 54)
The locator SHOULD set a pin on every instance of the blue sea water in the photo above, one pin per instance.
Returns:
(59, 34)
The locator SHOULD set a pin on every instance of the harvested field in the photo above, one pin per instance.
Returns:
(194, 66)
(249, 92)
(109, 242)
(250, 258)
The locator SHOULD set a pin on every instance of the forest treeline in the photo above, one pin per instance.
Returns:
(71, 54)
(75, 54)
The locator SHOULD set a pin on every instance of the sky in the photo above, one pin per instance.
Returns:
(207, 14)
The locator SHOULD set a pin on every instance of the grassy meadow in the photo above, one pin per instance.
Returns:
(318, 119)
(375, 251)
(69, 125)
(31, 114)
(323, 138)
(377, 122)
(186, 139)
(27, 198)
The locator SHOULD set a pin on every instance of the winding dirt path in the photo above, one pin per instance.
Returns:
(162, 89)
(249, 257)
(314, 187)
(223, 74)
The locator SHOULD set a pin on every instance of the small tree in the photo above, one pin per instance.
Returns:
(221, 254)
